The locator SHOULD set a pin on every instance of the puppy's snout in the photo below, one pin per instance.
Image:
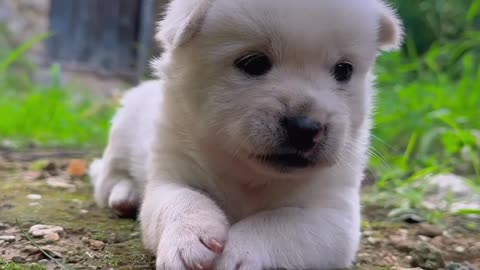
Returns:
(303, 133)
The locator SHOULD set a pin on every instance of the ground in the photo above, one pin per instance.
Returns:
(39, 188)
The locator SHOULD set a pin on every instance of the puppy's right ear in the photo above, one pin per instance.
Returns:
(390, 32)
(183, 19)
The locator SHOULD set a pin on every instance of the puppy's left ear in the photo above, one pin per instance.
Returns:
(390, 31)
(183, 19)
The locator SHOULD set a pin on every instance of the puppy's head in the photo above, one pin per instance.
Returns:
(282, 85)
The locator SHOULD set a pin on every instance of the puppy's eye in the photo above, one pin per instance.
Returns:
(343, 71)
(254, 64)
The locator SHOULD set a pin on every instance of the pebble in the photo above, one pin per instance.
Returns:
(29, 249)
(427, 256)
(33, 175)
(7, 238)
(459, 249)
(33, 204)
(19, 259)
(51, 237)
(83, 211)
(40, 230)
(57, 182)
(2, 243)
(3, 226)
(96, 244)
(372, 240)
(460, 266)
(429, 230)
(34, 196)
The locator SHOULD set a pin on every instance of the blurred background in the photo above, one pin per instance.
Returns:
(64, 63)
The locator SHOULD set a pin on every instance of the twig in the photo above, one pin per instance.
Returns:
(63, 266)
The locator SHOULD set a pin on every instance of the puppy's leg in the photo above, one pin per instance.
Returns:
(292, 238)
(113, 185)
(184, 228)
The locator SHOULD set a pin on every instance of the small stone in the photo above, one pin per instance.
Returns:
(34, 175)
(459, 249)
(96, 244)
(43, 261)
(19, 259)
(367, 233)
(34, 196)
(77, 168)
(429, 230)
(460, 266)
(40, 230)
(83, 211)
(424, 238)
(57, 182)
(404, 245)
(372, 240)
(51, 237)
(8, 238)
(33, 204)
(29, 249)
(3, 226)
(427, 256)
(85, 239)
(2, 243)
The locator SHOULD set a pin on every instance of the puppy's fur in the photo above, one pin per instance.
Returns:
(193, 148)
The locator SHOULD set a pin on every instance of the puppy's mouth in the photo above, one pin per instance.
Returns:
(286, 160)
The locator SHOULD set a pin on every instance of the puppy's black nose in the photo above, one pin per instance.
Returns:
(303, 133)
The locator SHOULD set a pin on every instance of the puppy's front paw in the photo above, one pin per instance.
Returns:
(242, 252)
(192, 246)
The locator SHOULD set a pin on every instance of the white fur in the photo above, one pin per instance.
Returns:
(184, 144)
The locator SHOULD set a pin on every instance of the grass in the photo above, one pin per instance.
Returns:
(46, 115)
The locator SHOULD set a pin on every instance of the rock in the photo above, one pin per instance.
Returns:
(83, 211)
(3, 226)
(77, 168)
(40, 230)
(51, 237)
(404, 245)
(57, 182)
(29, 249)
(440, 186)
(33, 175)
(2, 243)
(372, 240)
(96, 244)
(429, 230)
(427, 256)
(19, 259)
(33, 204)
(459, 249)
(460, 266)
(8, 238)
(34, 197)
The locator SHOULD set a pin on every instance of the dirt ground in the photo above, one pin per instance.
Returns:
(48, 190)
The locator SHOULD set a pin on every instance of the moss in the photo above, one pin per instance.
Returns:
(124, 249)
(14, 266)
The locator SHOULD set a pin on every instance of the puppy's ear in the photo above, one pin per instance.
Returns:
(183, 19)
(390, 31)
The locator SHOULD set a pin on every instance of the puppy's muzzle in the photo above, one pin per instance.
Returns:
(302, 141)
(303, 133)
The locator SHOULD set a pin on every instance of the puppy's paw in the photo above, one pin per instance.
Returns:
(125, 199)
(192, 246)
(242, 252)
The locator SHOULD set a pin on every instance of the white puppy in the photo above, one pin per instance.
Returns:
(249, 152)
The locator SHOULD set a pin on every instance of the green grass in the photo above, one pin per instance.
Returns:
(49, 115)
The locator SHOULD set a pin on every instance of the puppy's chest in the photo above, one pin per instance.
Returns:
(240, 200)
